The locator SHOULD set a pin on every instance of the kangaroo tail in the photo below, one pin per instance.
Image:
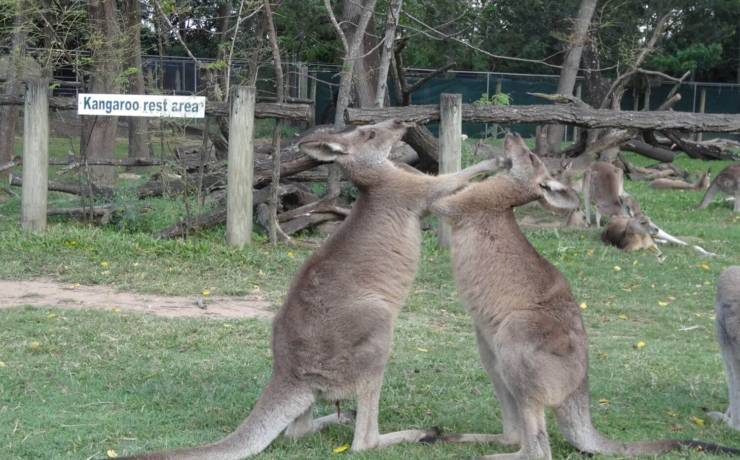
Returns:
(574, 421)
(276, 408)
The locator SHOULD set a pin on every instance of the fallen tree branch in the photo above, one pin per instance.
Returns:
(72, 189)
(548, 114)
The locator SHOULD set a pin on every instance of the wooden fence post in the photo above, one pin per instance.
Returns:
(240, 167)
(702, 109)
(35, 156)
(450, 146)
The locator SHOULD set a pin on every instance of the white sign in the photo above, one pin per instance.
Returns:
(134, 105)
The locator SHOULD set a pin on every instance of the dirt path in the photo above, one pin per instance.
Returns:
(48, 293)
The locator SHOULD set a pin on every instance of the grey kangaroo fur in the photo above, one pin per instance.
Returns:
(727, 311)
(603, 185)
(728, 182)
(528, 326)
(332, 336)
(677, 184)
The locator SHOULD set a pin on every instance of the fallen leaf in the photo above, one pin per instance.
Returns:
(583, 305)
(340, 449)
(704, 266)
(662, 303)
(617, 268)
(290, 254)
(671, 413)
(640, 345)
(104, 263)
(603, 402)
(423, 350)
(697, 421)
(116, 310)
(112, 453)
(206, 292)
(35, 345)
(623, 317)
(603, 355)
(2, 364)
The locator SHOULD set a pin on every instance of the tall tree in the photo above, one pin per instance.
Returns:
(99, 133)
(569, 70)
(9, 113)
(137, 126)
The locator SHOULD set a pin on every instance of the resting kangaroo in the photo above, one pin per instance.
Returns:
(727, 181)
(727, 311)
(332, 336)
(529, 329)
(676, 184)
(631, 233)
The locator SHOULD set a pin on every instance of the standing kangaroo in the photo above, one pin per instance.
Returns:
(675, 184)
(603, 185)
(529, 328)
(727, 181)
(332, 336)
(727, 311)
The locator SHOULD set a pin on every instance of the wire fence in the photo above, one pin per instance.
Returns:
(180, 75)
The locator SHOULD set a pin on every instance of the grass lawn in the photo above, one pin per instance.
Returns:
(74, 384)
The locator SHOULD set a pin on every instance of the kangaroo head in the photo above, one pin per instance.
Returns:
(641, 224)
(356, 146)
(531, 173)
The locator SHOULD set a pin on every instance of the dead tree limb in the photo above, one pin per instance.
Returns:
(546, 114)
(72, 189)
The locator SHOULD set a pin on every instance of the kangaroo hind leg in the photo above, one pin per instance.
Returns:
(367, 435)
(306, 424)
(535, 444)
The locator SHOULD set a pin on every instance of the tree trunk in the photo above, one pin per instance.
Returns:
(9, 114)
(98, 132)
(394, 12)
(365, 68)
(568, 73)
(137, 126)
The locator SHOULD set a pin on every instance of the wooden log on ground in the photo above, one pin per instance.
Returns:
(563, 114)
(102, 214)
(426, 145)
(645, 149)
(218, 216)
(694, 149)
(10, 164)
(307, 221)
(72, 189)
(74, 162)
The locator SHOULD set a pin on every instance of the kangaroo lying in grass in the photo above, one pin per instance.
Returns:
(528, 326)
(332, 336)
(727, 311)
(676, 184)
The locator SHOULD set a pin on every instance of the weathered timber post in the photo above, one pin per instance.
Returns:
(312, 96)
(240, 167)
(35, 156)
(450, 146)
(579, 94)
(702, 108)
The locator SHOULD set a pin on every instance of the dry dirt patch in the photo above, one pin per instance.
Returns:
(46, 293)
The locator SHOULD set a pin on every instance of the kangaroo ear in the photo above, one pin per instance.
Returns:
(558, 195)
(323, 150)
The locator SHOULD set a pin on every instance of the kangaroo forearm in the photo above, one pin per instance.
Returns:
(446, 184)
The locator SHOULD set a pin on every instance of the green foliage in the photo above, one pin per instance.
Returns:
(494, 99)
(696, 56)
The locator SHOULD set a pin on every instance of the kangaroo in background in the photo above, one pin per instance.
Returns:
(603, 185)
(528, 326)
(676, 184)
(332, 336)
(727, 311)
(728, 182)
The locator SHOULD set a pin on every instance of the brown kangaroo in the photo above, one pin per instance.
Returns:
(727, 181)
(727, 311)
(332, 336)
(529, 328)
(603, 185)
(676, 184)
(631, 233)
